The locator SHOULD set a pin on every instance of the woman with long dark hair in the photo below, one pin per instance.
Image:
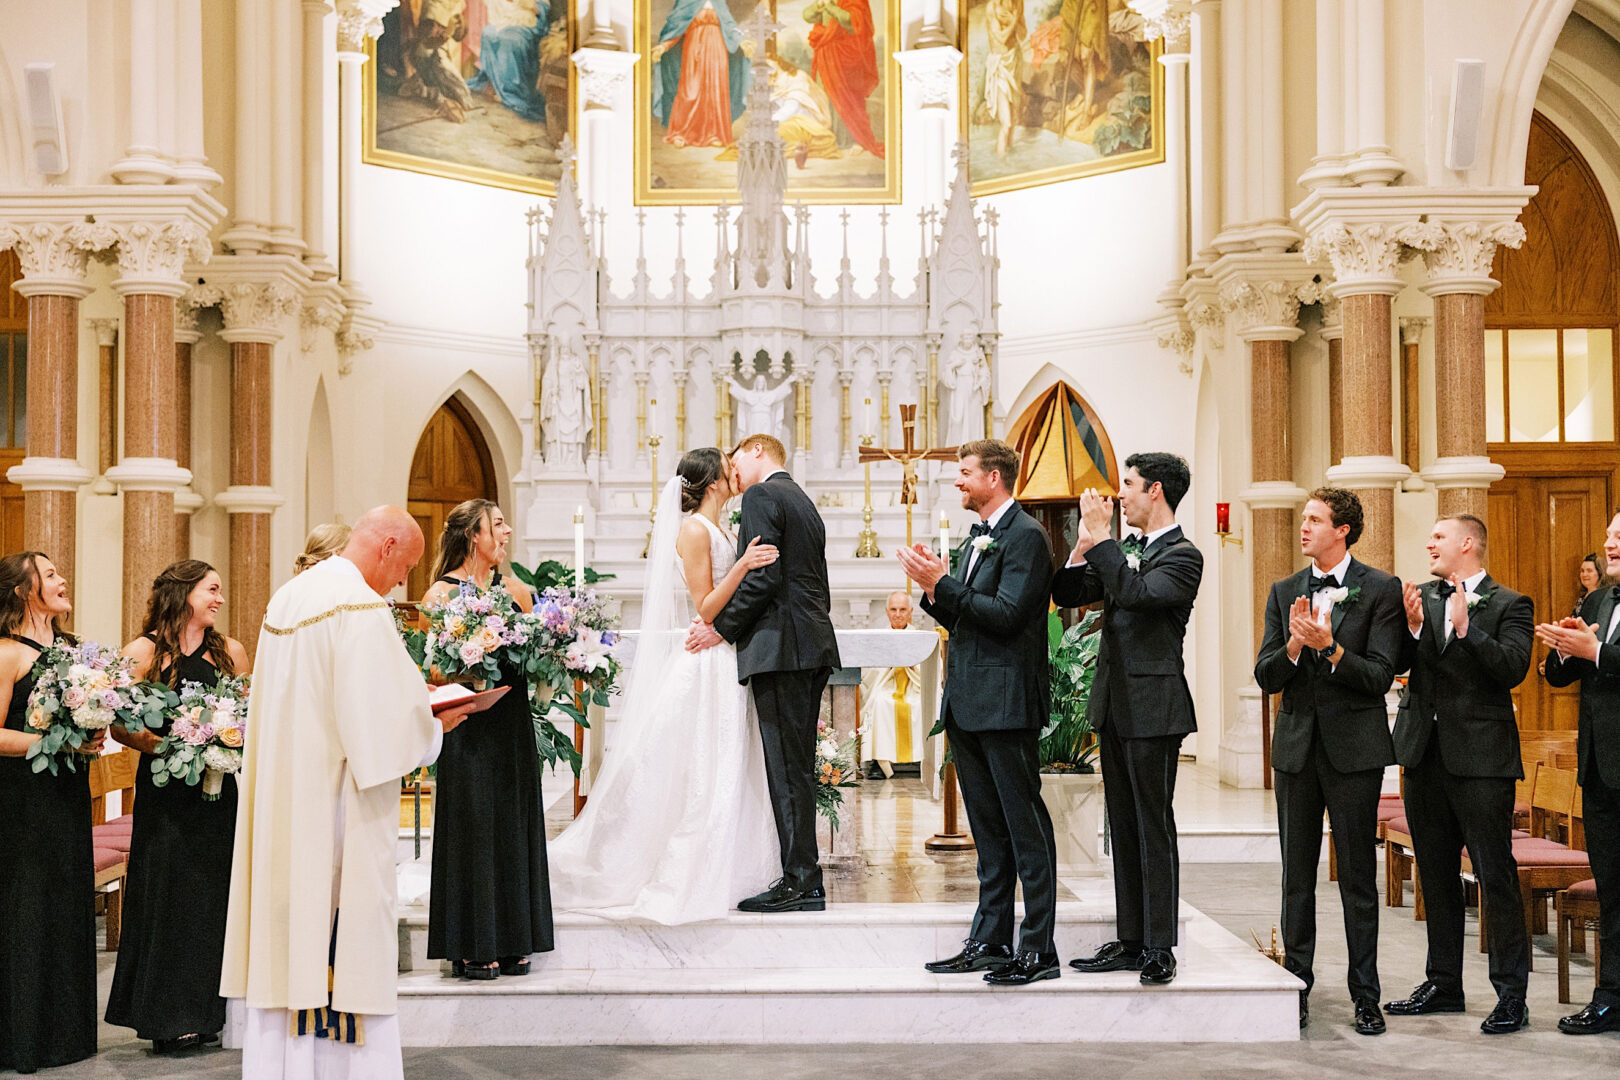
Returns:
(47, 871)
(490, 906)
(1590, 578)
(166, 985)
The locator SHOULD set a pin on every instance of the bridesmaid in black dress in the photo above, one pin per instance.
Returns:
(47, 871)
(491, 900)
(166, 985)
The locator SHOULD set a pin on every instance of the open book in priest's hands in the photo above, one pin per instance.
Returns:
(455, 696)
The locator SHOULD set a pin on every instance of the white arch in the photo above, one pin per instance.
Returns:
(320, 480)
(1521, 82)
(495, 422)
(13, 165)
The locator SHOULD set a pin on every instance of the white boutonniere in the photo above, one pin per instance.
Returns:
(1338, 596)
(1133, 560)
(1473, 600)
(984, 544)
(734, 518)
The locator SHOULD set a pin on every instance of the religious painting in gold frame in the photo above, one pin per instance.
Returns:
(837, 86)
(1056, 89)
(489, 103)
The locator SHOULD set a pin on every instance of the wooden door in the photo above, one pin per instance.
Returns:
(452, 464)
(1541, 528)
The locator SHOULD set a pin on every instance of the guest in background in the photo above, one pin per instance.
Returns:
(323, 542)
(1467, 647)
(491, 902)
(1585, 649)
(1592, 577)
(1140, 704)
(166, 985)
(891, 705)
(47, 871)
(1333, 638)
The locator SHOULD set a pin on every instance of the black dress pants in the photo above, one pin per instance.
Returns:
(1139, 787)
(1600, 800)
(1000, 773)
(1447, 813)
(1351, 801)
(788, 703)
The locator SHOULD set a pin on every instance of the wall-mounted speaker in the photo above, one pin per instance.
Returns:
(1467, 98)
(45, 119)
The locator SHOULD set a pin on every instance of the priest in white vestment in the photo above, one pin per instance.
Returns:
(338, 714)
(891, 703)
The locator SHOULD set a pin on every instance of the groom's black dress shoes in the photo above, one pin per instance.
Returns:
(1511, 1014)
(784, 897)
(1591, 1020)
(1426, 998)
(1026, 968)
(1114, 956)
(975, 956)
(1158, 966)
(1369, 1020)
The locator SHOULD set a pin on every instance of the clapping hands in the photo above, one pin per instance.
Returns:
(1570, 637)
(1305, 630)
(922, 566)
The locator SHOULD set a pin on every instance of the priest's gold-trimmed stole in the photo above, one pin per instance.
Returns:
(326, 1022)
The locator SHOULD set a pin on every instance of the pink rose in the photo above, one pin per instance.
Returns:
(472, 653)
(75, 697)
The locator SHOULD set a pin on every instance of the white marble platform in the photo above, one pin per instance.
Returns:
(850, 974)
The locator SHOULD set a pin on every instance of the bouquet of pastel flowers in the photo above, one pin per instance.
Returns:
(205, 741)
(571, 637)
(835, 769)
(470, 634)
(82, 689)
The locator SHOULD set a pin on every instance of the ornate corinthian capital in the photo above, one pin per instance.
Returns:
(151, 254)
(52, 255)
(601, 74)
(1458, 254)
(1167, 19)
(359, 20)
(1362, 255)
(253, 311)
(930, 74)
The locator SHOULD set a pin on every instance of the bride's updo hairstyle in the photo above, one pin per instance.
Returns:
(698, 470)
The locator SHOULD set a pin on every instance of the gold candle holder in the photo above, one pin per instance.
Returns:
(652, 515)
(867, 547)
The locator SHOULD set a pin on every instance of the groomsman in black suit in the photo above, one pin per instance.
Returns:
(1467, 647)
(1140, 705)
(1587, 648)
(996, 701)
(1332, 642)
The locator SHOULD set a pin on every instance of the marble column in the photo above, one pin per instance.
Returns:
(106, 331)
(1459, 265)
(604, 75)
(1411, 413)
(254, 314)
(1333, 333)
(1365, 256)
(50, 474)
(186, 501)
(930, 81)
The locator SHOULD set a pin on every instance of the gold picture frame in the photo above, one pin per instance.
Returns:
(663, 178)
(408, 145)
(1037, 164)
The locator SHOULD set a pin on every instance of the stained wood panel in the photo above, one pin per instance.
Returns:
(452, 464)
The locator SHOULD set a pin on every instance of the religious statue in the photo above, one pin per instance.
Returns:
(762, 410)
(565, 400)
(967, 376)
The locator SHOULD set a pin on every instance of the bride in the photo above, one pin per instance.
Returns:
(679, 820)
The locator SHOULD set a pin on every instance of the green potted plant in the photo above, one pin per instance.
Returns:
(1071, 787)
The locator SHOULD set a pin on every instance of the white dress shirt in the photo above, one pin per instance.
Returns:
(1320, 607)
(992, 521)
(1470, 585)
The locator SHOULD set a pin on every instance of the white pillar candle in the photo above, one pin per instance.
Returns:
(579, 549)
(945, 539)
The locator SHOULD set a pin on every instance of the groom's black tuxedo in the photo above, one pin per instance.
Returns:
(779, 619)
(1141, 709)
(997, 697)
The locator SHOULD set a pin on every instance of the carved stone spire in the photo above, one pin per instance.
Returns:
(761, 174)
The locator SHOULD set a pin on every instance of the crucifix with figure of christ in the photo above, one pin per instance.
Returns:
(907, 455)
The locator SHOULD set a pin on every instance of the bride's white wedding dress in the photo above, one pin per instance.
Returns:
(678, 824)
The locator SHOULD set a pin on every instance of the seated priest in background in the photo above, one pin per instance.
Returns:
(891, 704)
(338, 714)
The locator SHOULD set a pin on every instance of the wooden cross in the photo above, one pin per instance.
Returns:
(907, 456)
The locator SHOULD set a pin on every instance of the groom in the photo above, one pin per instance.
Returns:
(779, 620)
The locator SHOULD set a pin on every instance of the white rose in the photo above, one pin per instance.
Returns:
(1133, 560)
(981, 544)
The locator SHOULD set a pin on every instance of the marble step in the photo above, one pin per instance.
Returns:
(862, 936)
(1225, 992)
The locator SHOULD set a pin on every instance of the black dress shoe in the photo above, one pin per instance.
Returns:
(784, 897)
(1158, 966)
(1369, 1020)
(1114, 956)
(177, 1045)
(1510, 1014)
(1590, 1020)
(1304, 1008)
(975, 956)
(1026, 968)
(514, 965)
(1426, 998)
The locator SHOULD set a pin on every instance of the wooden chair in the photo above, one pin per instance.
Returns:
(1577, 908)
(1545, 866)
(112, 772)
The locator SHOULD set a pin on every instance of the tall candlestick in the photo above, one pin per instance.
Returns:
(579, 549)
(945, 539)
(867, 422)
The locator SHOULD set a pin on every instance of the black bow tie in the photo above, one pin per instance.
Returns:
(979, 528)
(1323, 581)
(1444, 590)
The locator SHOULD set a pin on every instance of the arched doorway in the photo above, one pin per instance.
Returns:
(452, 464)
(1552, 342)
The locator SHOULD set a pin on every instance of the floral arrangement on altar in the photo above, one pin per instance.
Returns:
(82, 689)
(205, 741)
(835, 770)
